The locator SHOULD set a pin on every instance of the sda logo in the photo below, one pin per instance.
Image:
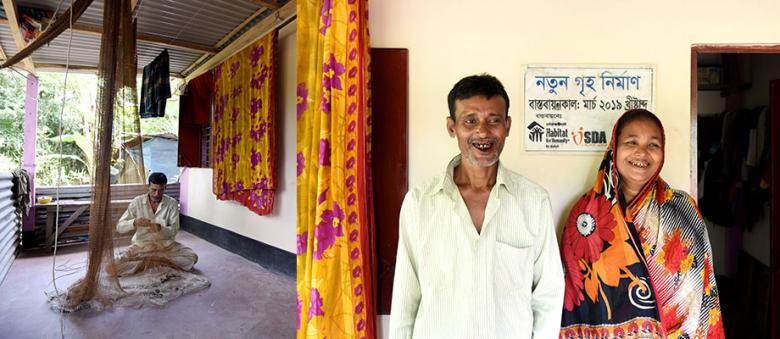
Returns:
(582, 136)
(535, 132)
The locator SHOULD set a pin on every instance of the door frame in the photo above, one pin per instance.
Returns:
(774, 218)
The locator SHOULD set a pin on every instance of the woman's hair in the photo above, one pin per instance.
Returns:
(636, 114)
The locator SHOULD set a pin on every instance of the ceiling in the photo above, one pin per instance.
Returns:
(192, 31)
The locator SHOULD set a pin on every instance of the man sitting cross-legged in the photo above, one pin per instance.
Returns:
(155, 218)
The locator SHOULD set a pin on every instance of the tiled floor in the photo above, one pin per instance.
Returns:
(244, 301)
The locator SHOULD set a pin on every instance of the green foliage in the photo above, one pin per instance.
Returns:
(82, 142)
(77, 130)
(12, 87)
(77, 119)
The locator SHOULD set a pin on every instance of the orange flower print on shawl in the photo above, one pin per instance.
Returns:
(641, 270)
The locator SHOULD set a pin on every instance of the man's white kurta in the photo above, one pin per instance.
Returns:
(167, 216)
(452, 282)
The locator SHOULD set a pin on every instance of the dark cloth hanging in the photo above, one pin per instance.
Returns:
(733, 190)
(195, 103)
(156, 87)
(21, 192)
(194, 114)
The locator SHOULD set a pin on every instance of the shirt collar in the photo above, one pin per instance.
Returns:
(147, 199)
(448, 186)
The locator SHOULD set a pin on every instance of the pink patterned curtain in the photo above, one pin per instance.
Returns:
(243, 131)
(334, 223)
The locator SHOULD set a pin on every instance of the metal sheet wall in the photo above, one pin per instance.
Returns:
(10, 225)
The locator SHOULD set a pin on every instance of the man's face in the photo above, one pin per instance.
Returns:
(480, 125)
(156, 192)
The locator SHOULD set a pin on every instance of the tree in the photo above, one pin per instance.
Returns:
(12, 87)
(77, 130)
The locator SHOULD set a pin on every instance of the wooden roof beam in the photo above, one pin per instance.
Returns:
(81, 28)
(226, 38)
(2, 53)
(135, 7)
(151, 39)
(262, 28)
(83, 69)
(13, 22)
(61, 67)
(268, 3)
(176, 43)
(195, 63)
(240, 26)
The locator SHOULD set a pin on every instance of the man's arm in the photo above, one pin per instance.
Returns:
(547, 293)
(170, 226)
(406, 286)
(127, 222)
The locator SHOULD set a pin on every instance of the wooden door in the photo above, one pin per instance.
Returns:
(389, 159)
(774, 208)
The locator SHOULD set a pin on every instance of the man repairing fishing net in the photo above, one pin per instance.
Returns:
(155, 218)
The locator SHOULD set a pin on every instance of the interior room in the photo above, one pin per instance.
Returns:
(733, 102)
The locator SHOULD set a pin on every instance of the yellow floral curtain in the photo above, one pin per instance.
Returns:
(334, 220)
(243, 143)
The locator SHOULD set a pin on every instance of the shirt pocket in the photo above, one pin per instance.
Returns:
(513, 272)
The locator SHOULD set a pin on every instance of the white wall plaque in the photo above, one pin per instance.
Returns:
(572, 108)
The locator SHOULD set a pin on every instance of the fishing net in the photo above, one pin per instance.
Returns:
(155, 280)
(100, 282)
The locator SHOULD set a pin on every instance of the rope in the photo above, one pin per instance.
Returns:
(137, 9)
(53, 16)
(59, 174)
(187, 25)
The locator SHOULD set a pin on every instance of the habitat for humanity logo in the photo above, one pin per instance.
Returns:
(535, 132)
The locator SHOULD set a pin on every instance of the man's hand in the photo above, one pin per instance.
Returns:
(154, 227)
(141, 222)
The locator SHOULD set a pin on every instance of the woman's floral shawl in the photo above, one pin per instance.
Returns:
(642, 272)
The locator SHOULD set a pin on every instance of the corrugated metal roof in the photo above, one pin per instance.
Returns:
(203, 22)
(7, 40)
(194, 21)
(84, 50)
(92, 16)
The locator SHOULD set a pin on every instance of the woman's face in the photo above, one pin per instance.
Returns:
(639, 152)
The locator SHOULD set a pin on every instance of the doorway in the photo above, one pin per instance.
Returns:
(735, 105)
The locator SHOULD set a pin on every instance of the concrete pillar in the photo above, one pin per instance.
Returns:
(28, 147)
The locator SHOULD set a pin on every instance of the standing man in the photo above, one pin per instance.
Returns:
(477, 252)
(155, 218)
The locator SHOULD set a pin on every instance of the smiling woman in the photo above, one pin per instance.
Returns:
(637, 249)
(640, 153)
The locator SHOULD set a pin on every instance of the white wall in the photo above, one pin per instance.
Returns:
(277, 229)
(449, 39)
